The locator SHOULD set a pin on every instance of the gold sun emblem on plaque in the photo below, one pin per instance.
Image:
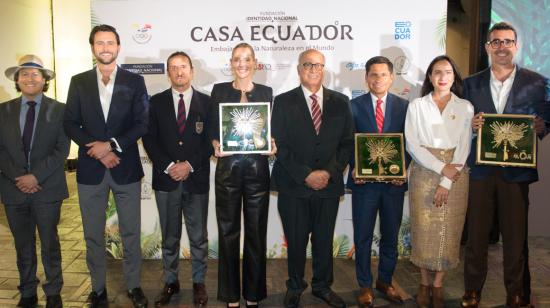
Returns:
(249, 122)
(507, 134)
(381, 151)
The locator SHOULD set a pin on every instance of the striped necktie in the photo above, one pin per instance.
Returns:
(315, 113)
(379, 115)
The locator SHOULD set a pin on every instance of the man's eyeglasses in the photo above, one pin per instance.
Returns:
(315, 66)
(496, 43)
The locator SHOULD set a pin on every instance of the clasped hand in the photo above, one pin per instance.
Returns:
(317, 179)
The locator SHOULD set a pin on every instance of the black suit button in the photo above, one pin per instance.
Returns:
(317, 160)
(318, 144)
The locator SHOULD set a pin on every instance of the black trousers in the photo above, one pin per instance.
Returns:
(512, 201)
(24, 219)
(242, 188)
(300, 218)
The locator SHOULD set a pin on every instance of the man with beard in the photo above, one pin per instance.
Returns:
(503, 88)
(106, 114)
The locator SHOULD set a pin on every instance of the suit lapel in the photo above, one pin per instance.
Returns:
(45, 106)
(94, 93)
(388, 113)
(117, 92)
(303, 109)
(369, 111)
(15, 111)
(508, 108)
(193, 116)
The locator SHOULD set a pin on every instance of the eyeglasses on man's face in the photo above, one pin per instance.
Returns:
(314, 66)
(496, 43)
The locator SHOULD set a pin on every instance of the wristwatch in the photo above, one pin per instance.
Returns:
(113, 145)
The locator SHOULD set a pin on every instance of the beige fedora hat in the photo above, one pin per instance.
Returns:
(29, 61)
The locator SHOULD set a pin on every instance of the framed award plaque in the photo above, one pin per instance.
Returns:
(380, 157)
(507, 140)
(245, 128)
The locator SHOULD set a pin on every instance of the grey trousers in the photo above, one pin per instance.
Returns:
(24, 219)
(194, 207)
(93, 203)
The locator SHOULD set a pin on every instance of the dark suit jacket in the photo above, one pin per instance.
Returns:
(164, 144)
(300, 150)
(365, 122)
(50, 147)
(528, 96)
(126, 122)
(225, 93)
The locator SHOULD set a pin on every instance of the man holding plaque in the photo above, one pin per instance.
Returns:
(503, 88)
(313, 127)
(377, 112)
(180, 150)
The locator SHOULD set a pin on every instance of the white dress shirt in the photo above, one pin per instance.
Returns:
(319, 94)
(500, 90)
(187, 95)
(426, 126)
(374, 98)
(106, 94)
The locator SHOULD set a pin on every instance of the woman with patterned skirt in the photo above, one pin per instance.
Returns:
(438, 136)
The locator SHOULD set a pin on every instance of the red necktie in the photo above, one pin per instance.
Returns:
(315, 113)
(379, 115)
(181, 115)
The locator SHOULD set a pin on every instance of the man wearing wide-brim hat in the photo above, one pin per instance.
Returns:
(33, 149)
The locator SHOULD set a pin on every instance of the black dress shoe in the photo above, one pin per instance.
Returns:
(96, 300)
(292, 299)
(332, 299)
(138, 298)
(166, 294)
(27, 302)
(54, 301)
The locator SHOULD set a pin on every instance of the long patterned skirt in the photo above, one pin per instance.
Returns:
(436, 231)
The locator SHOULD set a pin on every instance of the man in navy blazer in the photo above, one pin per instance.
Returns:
(377, 112)
(180, 150)
(503, 88)
(106, 114)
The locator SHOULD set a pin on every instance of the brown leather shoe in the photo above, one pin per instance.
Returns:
(200, 297)
(471, 299)
(389, 291)
(365, 298)
(514, 301)
(165, 295)
(438, 297)
(423, 296)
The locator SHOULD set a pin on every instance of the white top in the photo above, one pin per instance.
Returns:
(374, 98)
(106, 90)
(187, 95)
(500, 90)
(425, 126)
(319, 94)
(106, 94)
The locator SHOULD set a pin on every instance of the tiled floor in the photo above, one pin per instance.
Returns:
(77, 281)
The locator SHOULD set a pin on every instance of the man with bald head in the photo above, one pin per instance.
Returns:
(313, 127)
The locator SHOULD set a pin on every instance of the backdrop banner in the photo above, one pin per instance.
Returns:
(409, 33)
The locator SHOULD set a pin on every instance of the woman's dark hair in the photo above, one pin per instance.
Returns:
(428, 87)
